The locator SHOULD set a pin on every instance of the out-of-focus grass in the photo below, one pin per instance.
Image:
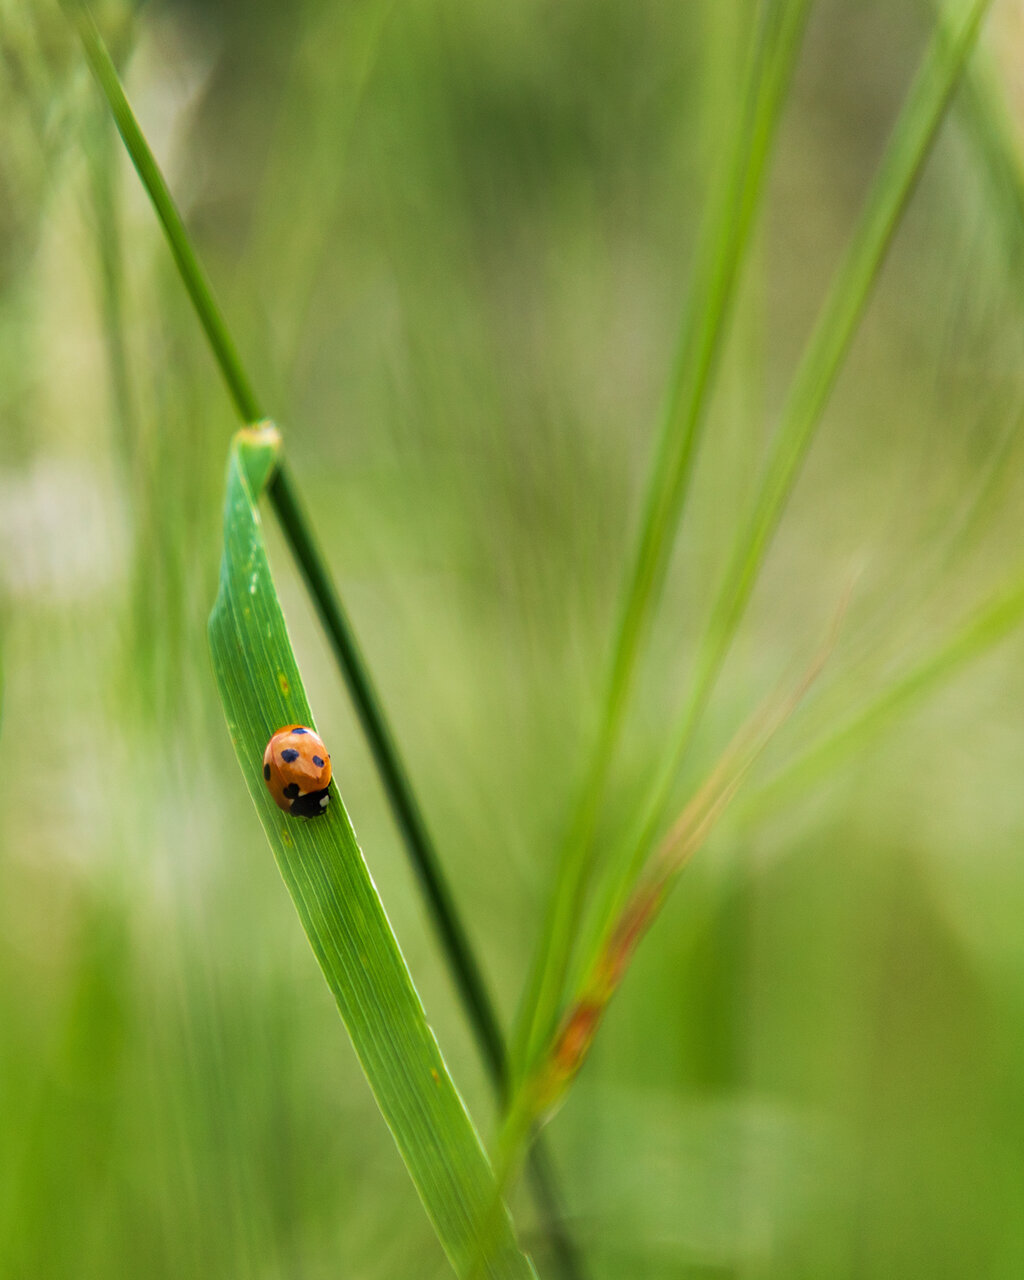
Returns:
(729, 221)
(466, 322)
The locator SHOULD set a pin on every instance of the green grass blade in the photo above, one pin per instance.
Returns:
(705, 326)
(404, 805)
(938, 77)
(323, 868)
(705, 323)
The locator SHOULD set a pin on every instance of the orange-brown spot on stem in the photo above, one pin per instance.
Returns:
(572, 1041)
(625, 938)
(575, 1037)
(282, 681)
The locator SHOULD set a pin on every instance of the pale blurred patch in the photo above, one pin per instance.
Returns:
(719, 1182)
(64, 532)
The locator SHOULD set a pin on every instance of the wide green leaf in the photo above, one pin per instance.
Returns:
(338, 905)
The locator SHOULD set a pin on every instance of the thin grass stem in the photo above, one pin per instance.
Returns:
(192, 274)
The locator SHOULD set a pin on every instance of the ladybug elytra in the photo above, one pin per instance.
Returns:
(297, 771)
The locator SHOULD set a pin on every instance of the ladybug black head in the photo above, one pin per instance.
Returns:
(311, 805)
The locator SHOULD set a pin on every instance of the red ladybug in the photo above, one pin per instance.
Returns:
(297, 771)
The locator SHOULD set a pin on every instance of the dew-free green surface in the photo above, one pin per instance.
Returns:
(452, 244)
(337, 903)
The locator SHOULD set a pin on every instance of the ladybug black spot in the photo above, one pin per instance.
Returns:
(318, 762)
(289, 754)
(266, 772)
(292, 790)
(299, 729)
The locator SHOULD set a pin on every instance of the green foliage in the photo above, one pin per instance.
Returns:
(450, 243)
(343, 918)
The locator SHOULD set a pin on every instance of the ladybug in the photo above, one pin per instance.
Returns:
(297, 771)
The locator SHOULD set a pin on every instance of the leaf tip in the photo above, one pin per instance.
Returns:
(263, 435)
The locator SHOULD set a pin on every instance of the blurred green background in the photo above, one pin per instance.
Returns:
(453, 242)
